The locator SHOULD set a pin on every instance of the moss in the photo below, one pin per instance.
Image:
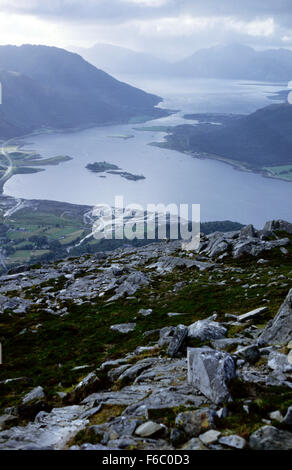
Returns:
(84, 336)
(261, 401)
(235, 330)
(167, 415)
(107, 413)
(85, 436)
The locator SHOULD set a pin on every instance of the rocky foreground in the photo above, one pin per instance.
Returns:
(152, 348)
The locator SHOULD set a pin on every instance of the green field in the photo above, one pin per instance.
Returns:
(41, 233)
(283, 171)
(14, 161)
(153, 129)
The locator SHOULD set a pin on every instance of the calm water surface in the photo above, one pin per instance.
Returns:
(171, 177)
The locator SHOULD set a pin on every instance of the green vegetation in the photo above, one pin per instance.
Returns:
(154, 129)
(84, 335)
(14, 161)
(249, 142)
(43, 231)
(283, 171)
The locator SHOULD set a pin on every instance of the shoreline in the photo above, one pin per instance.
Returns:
(69, 130)
(240, 166)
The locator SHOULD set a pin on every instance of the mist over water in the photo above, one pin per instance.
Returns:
(171, 177)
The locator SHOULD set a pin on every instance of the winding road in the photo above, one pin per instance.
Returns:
(9, 171)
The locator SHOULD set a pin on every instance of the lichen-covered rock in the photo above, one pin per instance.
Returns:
(49, 430)
(271, 438)
(279, 362)
(288, 417)
(233, 441)
(249, 353)
(36, 393)
(280, 329)
(88, 385)
(132, 372)
(124, 327)
(244, 242)
(210, 371)
(252, 314)
(150, 429)
(194, 423)
(177, 341)
(194, 444)
(206, 330)
(210, 437)
(145, 312)
(281, 225)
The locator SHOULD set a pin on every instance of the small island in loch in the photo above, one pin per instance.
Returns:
(110, 168)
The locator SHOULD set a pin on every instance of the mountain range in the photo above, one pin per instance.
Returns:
(116, 59)
(53, 88)
(234, 61)
(239, 62)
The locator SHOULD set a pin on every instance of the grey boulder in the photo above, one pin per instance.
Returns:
(210, 371)
(195, 422)
(206, 330)
(124, 327)
(271, 438)
(279, 331)
(36, 394)
(180, 334)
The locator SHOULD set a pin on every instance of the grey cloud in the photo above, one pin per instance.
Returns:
(122, 10)
(93, 21)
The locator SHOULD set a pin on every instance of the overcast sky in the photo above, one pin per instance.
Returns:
(170, 28)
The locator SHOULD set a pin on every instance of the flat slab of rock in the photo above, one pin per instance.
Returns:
(36, 394)
(149, 429)
(145, 312)
(252, 314)
(132, 372)
(124, 327)
(279, 331)
(194, 444)
(167, 264)
(49, 430)
(210, 371)
(233, 441)
(210, 437)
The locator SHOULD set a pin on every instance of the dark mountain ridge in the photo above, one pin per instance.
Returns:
(260, 139)
(50, 87)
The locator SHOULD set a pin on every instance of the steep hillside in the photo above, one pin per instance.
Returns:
(50, 87)
(152, 347)
(259, 140)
